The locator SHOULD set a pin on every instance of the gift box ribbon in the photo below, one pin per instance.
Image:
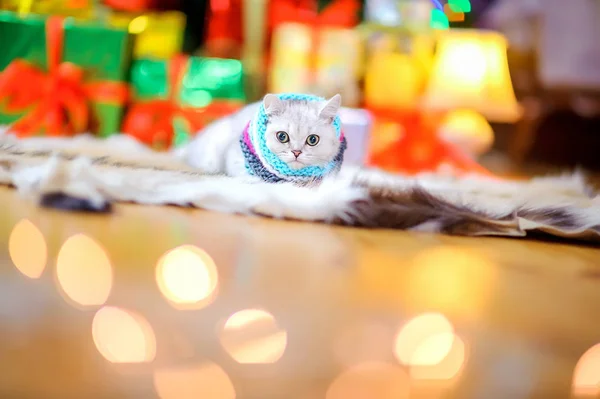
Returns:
(130, 5)
(58, 99)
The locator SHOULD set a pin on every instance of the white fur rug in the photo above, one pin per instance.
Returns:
(87, 174)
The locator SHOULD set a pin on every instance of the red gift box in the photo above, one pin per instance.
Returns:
(57, 99)
(417, 147)
(153, 121)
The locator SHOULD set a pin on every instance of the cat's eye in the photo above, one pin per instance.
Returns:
(283, 137)
(312, 140)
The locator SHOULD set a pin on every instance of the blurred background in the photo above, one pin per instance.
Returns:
(174, 303)
(512, 84)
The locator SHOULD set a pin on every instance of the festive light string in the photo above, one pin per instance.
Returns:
(463, 5)
(453, 11)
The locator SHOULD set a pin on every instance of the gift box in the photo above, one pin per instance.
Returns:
(316, 50)
(325, 62)
(62, 77)
(291, 59)
(397, 66)
(81, 9)
(414, 15)
(158, 34)
(176, 98)
(393, 81)
(339, 64)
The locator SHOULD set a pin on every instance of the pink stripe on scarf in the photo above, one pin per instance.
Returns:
(247, 138)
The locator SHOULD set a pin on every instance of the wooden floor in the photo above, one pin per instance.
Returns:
(170, 303)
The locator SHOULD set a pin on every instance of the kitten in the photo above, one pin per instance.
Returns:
(301, 133)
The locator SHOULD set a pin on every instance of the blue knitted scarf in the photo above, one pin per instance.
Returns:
(262, 162)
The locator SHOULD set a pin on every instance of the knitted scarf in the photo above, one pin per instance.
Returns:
(262, 162)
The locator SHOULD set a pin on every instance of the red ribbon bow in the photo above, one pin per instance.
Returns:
(420, 149)
(340, 13)
(130, 5)
(151, 122)
(59, 97)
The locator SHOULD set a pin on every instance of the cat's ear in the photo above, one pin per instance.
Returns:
(272, 104)
(330, 107)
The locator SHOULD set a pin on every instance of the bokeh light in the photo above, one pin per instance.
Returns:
(586, 378)
(187, 277)
(206, 381)
(27, 249)
(122, 336)
(371, 381)
(447, 369)
(450, 280)
(425, 340)
(83, 271)
(253, 336)
(138, 24)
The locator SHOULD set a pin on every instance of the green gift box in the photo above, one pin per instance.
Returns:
(175, 98)
(75, 71)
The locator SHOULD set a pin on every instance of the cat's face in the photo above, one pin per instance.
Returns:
(301, 133)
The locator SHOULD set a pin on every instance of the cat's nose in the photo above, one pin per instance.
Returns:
(296, 153)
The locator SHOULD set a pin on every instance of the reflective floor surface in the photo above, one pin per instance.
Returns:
(174, 304)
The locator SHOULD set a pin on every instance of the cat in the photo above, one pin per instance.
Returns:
(301, 136)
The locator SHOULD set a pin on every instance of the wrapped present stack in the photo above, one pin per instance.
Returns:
(133, 79)
(159, 34)
(173, 95)
(53, 82)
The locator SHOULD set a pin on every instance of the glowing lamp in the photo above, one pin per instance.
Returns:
(470, 76)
